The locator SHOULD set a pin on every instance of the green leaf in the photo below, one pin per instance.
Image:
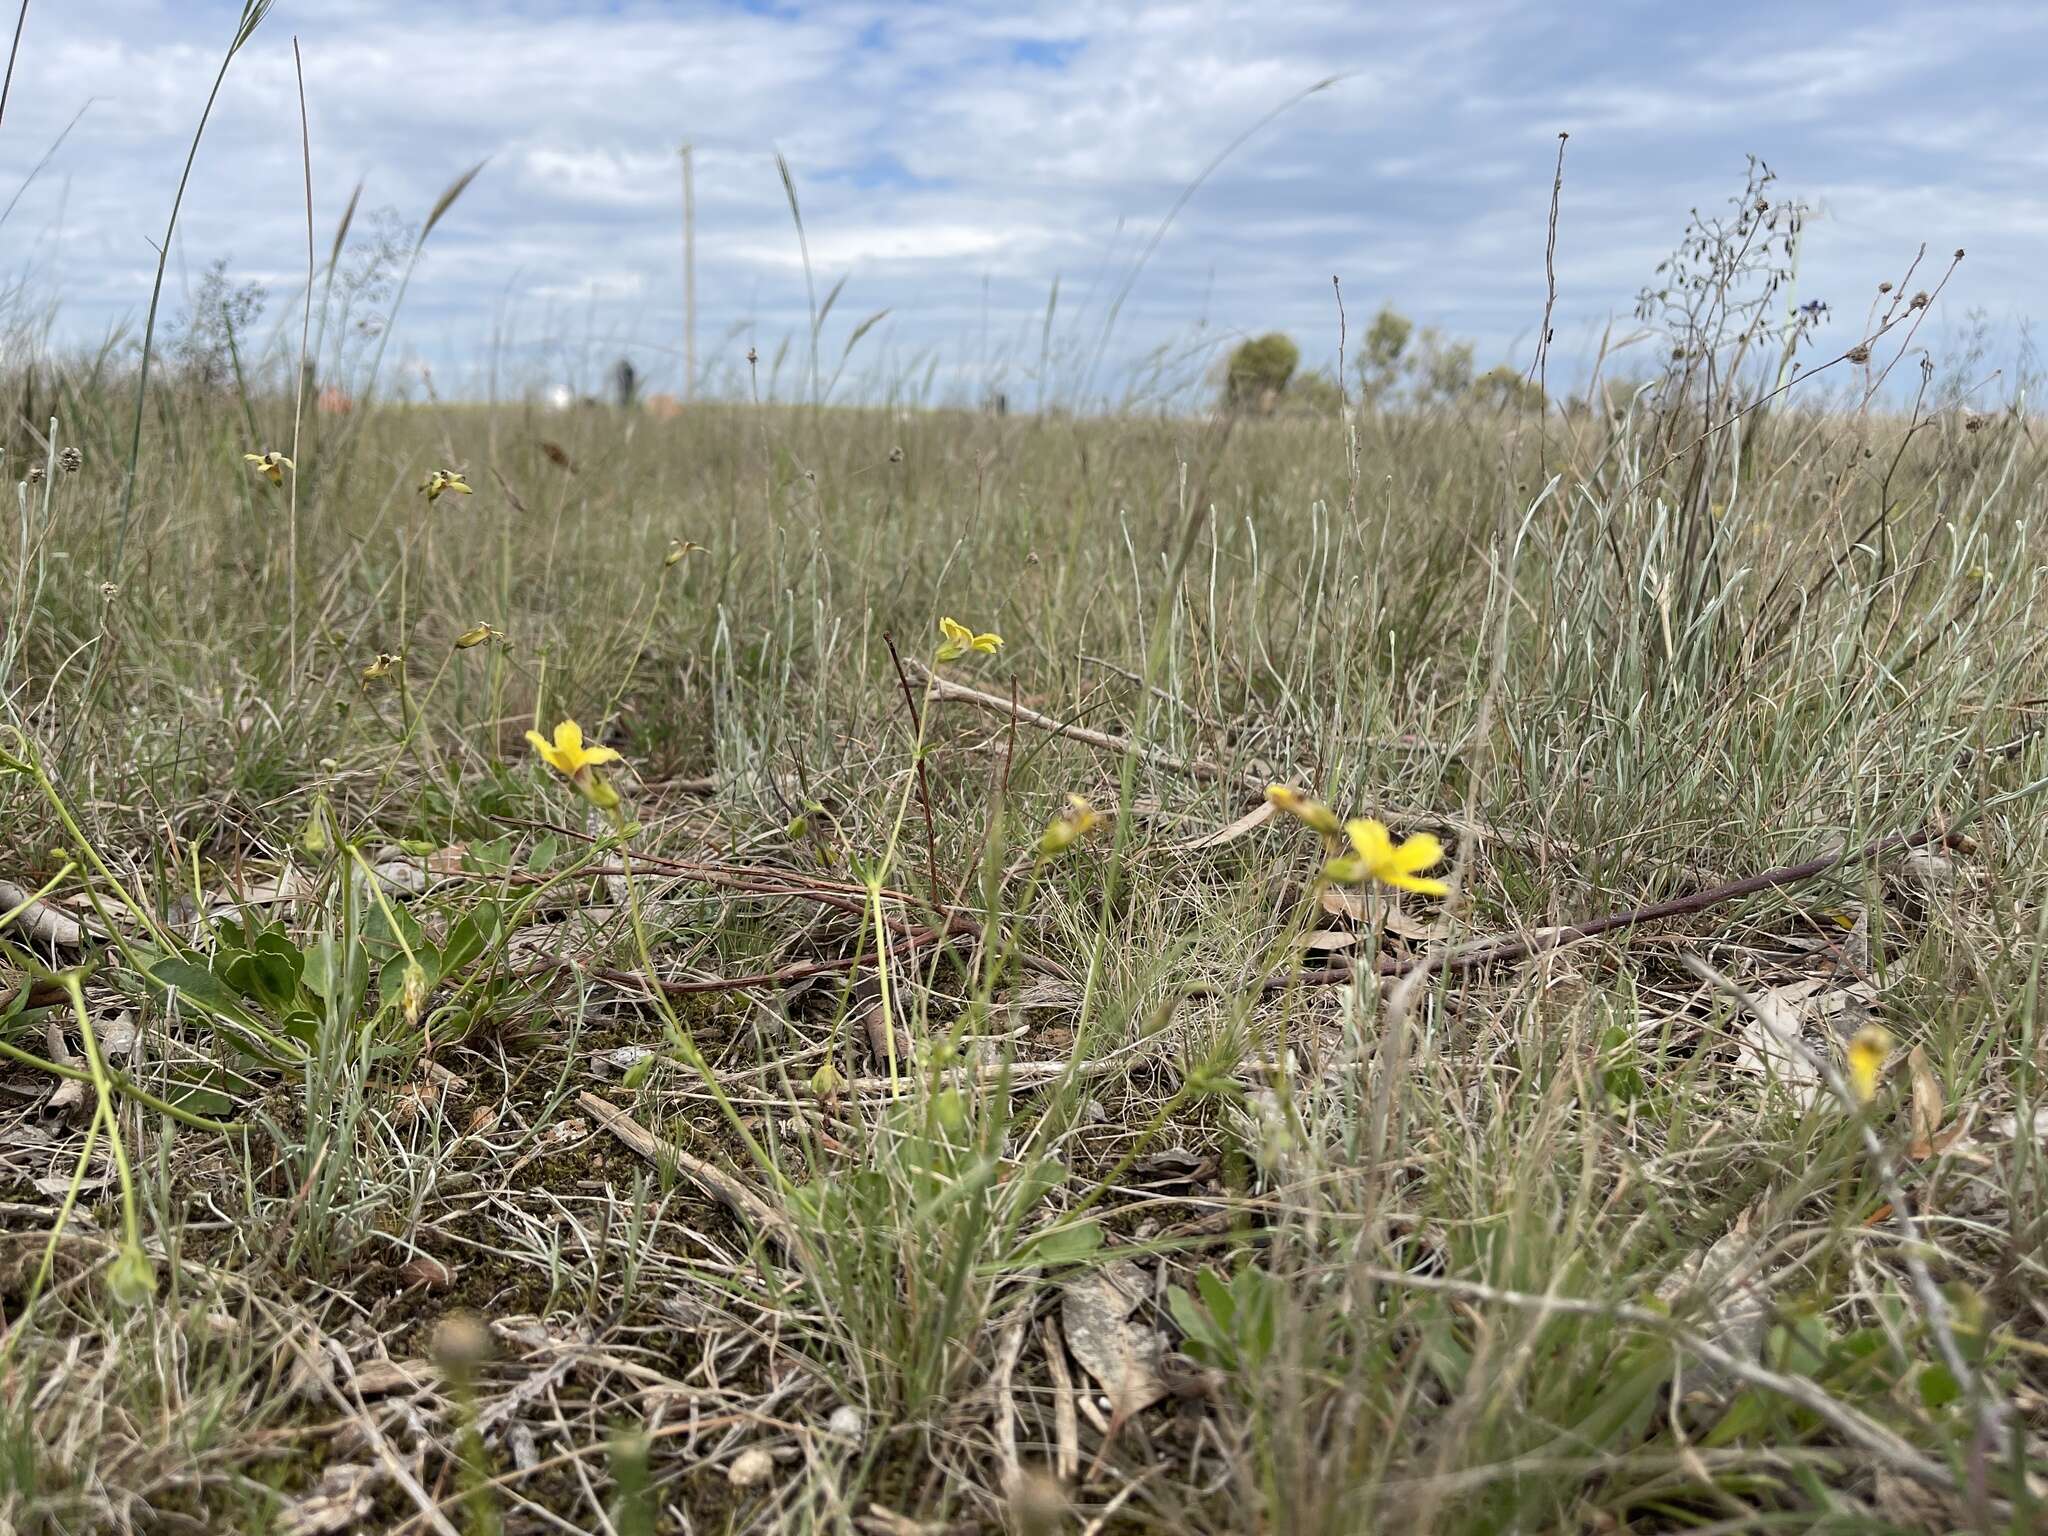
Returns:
(489, 858)
(1938, 1387)
(470, 935)
(1072, 1244)
(1218, 1298)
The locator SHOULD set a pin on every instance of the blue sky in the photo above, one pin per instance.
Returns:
(955, 160)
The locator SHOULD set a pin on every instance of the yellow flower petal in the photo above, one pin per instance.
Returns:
(1868, 1049)
(1418, 853)
(1420, 884)
(1372, 843)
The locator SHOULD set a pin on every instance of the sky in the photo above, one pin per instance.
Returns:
(1168, 166)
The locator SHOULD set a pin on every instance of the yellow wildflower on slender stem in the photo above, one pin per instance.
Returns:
(271, 465)
(1868, 1050)
(1376, 856)
(959, 640)
(1069, 827)
(577, 763)
(442, 481)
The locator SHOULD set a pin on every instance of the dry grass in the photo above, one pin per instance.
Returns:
(1572, 1242)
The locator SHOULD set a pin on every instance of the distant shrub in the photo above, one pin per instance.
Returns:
(1503, 389)
(1314, 394)
(1257, 373)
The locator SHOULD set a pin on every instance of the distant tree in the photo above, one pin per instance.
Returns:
(1258, 371)
(625, 384)
(1386, 340)
(1443, 369)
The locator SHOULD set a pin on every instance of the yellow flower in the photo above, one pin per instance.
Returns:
(381, 667)
(476, 635)
(569, 757)
(960, 640)
(1312, 812)
(443, 480)
(1069, 827)
(1376, 856)
(677, 548)
(566, 754)
(1868, 1048)
(270, 465)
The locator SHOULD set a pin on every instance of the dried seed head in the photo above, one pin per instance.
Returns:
(131, 1278)
(35, 474)
(1919, 300)
(753, 357)
(1884, 287)
(1858, 354)
(896, 455)
(71, 460)
(108, 591)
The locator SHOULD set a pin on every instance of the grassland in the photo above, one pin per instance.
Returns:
(813, 1154)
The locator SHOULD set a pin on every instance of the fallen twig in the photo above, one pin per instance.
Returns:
(946, 691)
(1487, 952)
(714, 1181)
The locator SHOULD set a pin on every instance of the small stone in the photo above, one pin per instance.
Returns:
(750, 1468)
(847, 1423)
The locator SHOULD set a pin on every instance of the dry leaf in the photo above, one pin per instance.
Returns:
(2008, 1126)
(623, 1059)
(1369, 910)
(426, 1270)
(341, 1501)
(1095, 1313)
(1735, 1297)
(377, 1378)
(117, 1036)
(56, 1184)
(1249, 822)
(1324, 940)
(1926, 1108)
(1770, 1033)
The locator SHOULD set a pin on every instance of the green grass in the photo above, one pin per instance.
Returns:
(1454, 1258)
